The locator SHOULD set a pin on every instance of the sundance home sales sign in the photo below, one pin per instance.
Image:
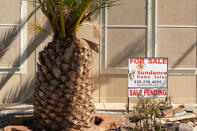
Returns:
(148, 77)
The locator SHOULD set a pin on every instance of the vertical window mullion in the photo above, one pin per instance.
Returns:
(154, 17)
(105, 39)
(23, 38)
(151, 28)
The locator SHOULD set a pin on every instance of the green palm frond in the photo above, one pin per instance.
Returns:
(39, 28)
(66, 16)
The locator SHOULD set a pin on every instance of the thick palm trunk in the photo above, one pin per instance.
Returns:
(62, 97)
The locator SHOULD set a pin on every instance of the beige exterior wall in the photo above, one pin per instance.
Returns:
(17, 86)
(123, 41)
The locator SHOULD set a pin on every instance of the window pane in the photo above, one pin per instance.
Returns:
(177, 12)
(9, 57)
(129, 12)
(179, 45)
(124, 43)
(9, 11)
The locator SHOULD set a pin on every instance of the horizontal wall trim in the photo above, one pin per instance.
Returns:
(176, 26)
(98, 106)
(116, 67)
(8, 68)
(176, 100)
(122, 106)
(126, 26)
(171, 71)
(9, 24)
(182, 68)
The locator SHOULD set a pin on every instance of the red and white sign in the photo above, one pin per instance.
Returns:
(149, 75)
(153, 92)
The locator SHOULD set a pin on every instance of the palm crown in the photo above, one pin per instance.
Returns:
(66, 16)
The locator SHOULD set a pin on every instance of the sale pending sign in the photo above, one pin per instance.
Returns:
(148, 77)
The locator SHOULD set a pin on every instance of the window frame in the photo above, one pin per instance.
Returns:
(172, 71)
(103, 59)
(22, 41)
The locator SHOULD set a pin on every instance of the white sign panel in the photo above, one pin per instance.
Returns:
(147, 75)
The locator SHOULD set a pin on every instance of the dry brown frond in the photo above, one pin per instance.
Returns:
(94, 46)
(65, 10)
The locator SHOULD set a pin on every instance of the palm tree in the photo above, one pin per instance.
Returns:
(62, 97)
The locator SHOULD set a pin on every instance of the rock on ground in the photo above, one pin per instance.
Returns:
(106, 123)
(195, 128)
(185, 127)
(16, 128)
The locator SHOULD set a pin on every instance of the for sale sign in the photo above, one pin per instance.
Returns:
(148, 77)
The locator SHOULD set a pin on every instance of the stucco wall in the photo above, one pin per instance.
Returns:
(177, 43)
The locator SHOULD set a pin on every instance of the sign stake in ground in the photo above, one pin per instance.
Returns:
(147, 77)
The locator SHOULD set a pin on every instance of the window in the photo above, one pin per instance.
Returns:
(11, 13)
(149, 28)
(176, 37)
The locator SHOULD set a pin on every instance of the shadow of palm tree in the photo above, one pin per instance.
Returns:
(133, 49)
(16, 93)
(33, 44)
(185, 54)
(5, 43)
(11, 34)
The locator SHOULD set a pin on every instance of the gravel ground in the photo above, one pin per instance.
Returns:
(122, 118)
(5, 119)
